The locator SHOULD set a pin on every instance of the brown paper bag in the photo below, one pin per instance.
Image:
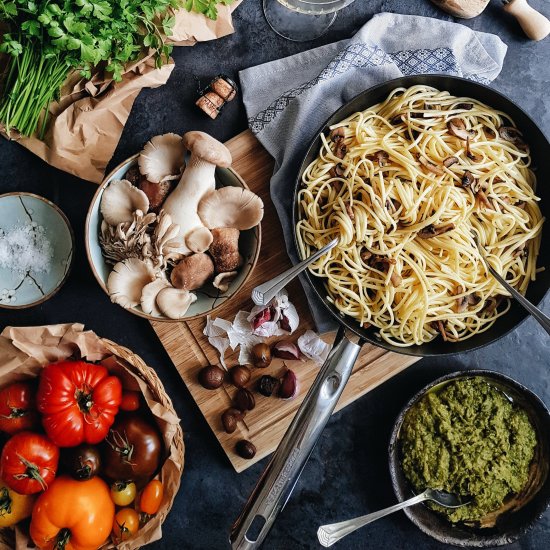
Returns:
(86, 124)
(24, 351)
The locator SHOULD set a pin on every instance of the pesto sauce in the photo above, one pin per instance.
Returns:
(470, 440)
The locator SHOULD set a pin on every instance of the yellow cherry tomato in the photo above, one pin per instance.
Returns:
(126, 524)
(151, 497)
(123, 492)
(13, 506)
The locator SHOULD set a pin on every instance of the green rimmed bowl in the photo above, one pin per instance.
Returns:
(20, 290)
(209, 299)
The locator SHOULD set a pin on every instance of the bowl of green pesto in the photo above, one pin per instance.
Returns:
(480, 435)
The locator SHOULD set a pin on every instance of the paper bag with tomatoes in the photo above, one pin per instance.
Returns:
(91, 447)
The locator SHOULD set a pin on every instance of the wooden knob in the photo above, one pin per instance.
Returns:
(535, 25)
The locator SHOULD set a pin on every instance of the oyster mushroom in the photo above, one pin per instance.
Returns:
(120, 200)
(225, 249)
(457, 128)
(126, 281)
(467, 179)
(433, 231)
(192, 272)
(163, 245)
(223, 280)
(162, 158)
(127, 240)
(430, 166)
(449, 161)
(196, 181)
(174, 302)
(231, 207)
(513, 135)
(149, 296)
(199, 239)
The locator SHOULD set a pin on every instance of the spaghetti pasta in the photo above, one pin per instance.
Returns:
(403, 186)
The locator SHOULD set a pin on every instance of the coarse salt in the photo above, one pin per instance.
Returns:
(26, 248)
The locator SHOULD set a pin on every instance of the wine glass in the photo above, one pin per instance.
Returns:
(302, 20)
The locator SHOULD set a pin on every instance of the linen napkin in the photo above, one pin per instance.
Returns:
(288, 100)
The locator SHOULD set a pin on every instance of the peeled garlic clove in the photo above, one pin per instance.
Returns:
(120, 200)
(126, 281)
(286, 350)
(174, 302)
(149, 296)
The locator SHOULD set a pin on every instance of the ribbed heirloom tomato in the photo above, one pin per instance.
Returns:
(78, 401)
(73, 515)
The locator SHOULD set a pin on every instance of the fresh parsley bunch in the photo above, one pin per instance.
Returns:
(207, 7)
(49, 38)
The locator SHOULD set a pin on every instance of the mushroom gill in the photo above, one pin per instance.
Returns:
(233, 207)
(120, 200)
(149, 296)
(174, 302)
(162, 158)
(127, 280)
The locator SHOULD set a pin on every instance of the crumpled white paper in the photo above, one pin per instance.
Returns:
(216, 330)
(313, 347)
(279, 317)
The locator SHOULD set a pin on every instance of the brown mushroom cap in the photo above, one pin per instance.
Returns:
(207, 148)
(192, 272)
(225, 249)
(231, 207)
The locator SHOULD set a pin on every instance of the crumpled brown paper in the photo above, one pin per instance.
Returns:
(24, 351)
(87, 122)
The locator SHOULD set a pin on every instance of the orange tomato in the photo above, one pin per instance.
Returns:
(126, 524)
(73, 515)
(130, 401)
(151, 497)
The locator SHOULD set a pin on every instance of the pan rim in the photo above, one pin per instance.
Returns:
(434, 80)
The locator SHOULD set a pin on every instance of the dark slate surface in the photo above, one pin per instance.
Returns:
(347, 474)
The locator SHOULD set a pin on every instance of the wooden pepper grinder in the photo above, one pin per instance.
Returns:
(535, 25)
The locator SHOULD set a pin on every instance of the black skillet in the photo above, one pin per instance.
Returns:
(282, 472)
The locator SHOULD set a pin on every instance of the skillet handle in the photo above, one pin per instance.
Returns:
(281, 474)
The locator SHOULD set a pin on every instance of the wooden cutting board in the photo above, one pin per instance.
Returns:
(190, 350)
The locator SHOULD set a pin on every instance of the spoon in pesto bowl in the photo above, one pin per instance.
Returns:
(329, 534)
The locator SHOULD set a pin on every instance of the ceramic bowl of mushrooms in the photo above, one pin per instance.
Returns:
(173, 232)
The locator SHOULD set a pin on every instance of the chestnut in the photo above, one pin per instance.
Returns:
(244, 400)
(211, 377)
(245, 449)
(230, 418)
(261, 355)
(240, 375)
(229, 421)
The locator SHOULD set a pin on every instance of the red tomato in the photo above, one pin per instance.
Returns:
(29, 463)
(78, 402)
(130, 401)
(17, 408)
(151, 497)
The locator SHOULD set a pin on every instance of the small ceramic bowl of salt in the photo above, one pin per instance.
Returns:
(36, 250)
